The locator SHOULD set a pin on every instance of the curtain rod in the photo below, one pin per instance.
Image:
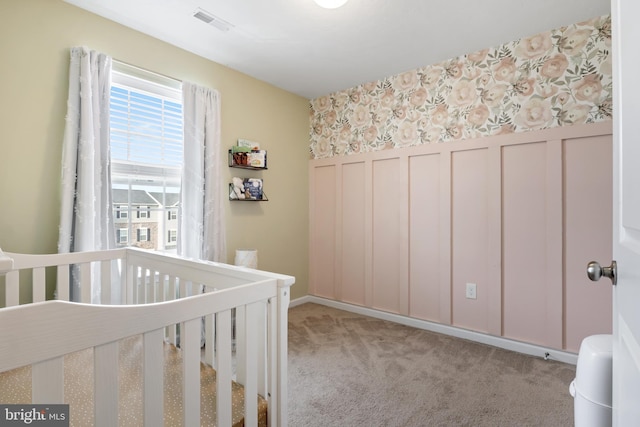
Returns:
(145, 73)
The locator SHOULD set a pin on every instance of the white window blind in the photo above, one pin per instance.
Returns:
(146, 127)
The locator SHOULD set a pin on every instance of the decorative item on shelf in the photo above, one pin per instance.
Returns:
(248, 189)
(248, 156)
(257, 158)
(239, 156)
(253, 188)
(245, 143)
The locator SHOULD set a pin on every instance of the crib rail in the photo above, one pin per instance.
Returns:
(84, 262)
(133, 269)
(165, 291)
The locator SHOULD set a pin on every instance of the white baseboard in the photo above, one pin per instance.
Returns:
(504, 343)
(299, 301)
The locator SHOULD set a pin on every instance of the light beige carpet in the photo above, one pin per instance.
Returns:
(350, 370)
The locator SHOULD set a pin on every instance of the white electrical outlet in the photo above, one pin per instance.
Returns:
(471, 291)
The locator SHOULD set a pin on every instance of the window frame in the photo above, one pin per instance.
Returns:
(157, 180)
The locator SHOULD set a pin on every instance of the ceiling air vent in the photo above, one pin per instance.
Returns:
(211, 19)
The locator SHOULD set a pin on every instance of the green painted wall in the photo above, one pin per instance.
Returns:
(35, 37)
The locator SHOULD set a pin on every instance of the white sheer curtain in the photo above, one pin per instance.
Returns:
(202, 225)
(86, 217)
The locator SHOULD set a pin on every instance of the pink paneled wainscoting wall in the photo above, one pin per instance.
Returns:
(520, 215)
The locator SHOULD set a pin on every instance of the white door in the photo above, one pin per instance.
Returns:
(626, 212)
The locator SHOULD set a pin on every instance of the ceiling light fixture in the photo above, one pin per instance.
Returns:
(330, 4)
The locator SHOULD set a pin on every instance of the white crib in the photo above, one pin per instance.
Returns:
(161, 298)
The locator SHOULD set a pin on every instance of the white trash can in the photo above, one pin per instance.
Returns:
(591, 389)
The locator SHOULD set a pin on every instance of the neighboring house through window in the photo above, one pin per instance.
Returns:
(146, 156)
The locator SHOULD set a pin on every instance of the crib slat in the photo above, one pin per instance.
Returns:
(283, 307)
(261, 347)
(106, 384)
(151, 286)
(62, 283)
(12, 289)
(142, 286)
(223, 367)
(135, 284)
(190, 344)
(131, 284)
(150, 277)
(209, 343)
(154, 282)
(184, 286)
(161, 293)
(251, 366)
(85, 283)
(241, 349)
(272, 362)
(47, 381)
(142, 282)
(171, 295)
(153, 387)
(120, 268)
(105, 282)
(39, 286)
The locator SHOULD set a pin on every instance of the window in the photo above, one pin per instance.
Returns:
(172, 236)
(122, 235)
(146, 152)
(143, 212)
(122, 212)
(144, 234)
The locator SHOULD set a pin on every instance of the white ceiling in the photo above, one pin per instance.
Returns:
(310, 51)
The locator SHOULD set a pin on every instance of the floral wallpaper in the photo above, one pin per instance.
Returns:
(557, 78)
